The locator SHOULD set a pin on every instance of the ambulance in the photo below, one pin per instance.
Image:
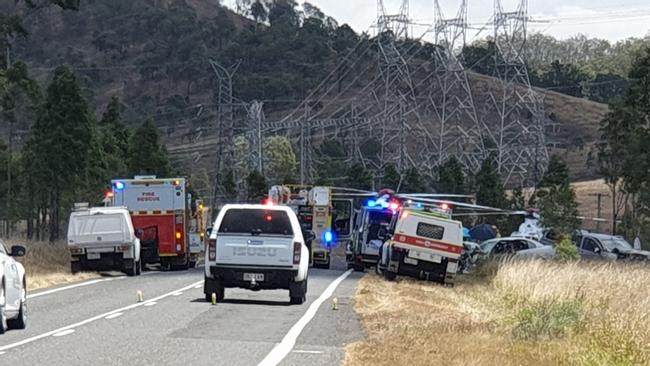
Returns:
(422, 242)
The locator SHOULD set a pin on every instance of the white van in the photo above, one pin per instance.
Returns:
(257, 247)
(103, 238)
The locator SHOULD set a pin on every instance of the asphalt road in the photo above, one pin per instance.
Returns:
(102, 323)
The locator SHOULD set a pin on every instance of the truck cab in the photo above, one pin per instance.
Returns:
(422, 243)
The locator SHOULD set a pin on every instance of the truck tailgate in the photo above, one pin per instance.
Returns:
(248, 250)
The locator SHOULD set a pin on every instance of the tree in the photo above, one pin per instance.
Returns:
(451, 179)
(413, 182)
(279, 159)
(60, 141)
(556, 198)
(146, 154)
(392, 178)
(114, 141)
(258, 11)
(557, 173)
(257, 186)
(358, 177)
(489, 187)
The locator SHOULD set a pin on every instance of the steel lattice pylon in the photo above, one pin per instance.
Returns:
(515, 123)
(456, 130)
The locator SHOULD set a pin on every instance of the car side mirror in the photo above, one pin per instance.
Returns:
(597, 250)
(309, 235)
(18, 251)
(382, 233)
(208, 232)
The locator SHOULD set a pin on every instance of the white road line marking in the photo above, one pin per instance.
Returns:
(88, 283)
(113, 316)
(310, 352)
(2, 353)
(93, 319)
(177, 294)
(63, 333)
(150, 303)
(199, 286)
(282, 349)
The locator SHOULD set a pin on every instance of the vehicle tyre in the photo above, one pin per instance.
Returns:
(193, 264)
(359, 267)
(298, 292)
(21, 321)
(3, 312)
(130, 269)
(214, 286)
(138, 268)
(75, 267)
(389, 275)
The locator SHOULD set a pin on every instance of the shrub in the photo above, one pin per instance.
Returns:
(565, 250)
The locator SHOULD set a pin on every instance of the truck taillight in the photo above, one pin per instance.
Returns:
(297, 247)
(212, 249)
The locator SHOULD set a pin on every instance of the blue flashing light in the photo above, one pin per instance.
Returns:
(372, 203)
(385, 204)
(118, 186)
(329, 239)
(419, 205)
(328, 236)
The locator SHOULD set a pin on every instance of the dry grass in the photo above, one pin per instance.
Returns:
(513, 313)
(48, 265)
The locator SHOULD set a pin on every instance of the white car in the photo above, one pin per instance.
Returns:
(256, 247)
(510, 245)
(13, 290)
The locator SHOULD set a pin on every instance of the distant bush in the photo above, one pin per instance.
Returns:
(565, 250)
(547, 319)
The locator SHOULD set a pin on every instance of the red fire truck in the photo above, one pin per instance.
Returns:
(161, 213)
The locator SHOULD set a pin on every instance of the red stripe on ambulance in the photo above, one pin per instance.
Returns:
(427, 243)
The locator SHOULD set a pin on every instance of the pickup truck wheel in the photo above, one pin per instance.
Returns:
(193, 264)
(131, 268)
(21, 321)
(359, 267)
(214, 286)
(138, 268)
(390, 275)
(3, 311)
(298, 292)
(75, 267)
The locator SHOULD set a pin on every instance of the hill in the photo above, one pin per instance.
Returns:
(154, 55)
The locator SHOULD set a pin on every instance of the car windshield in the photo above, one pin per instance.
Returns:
(616, 243)
(256, 222)
(486, 246)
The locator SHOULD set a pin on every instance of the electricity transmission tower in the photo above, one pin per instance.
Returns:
(224, 126)
(515, 124)
(398, 89)
(457, 131)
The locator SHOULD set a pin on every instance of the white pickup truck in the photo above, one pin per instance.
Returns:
(103, 238)
(256, 247)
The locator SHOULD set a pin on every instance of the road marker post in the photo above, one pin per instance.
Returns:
(140, 296)
(214, 299)
(335, 303)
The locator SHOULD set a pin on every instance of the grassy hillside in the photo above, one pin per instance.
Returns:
(154, 54)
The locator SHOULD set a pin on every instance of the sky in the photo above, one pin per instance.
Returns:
(609, 19)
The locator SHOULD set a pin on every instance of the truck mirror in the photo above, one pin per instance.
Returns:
(309, 236)
(208, 232)
(18, 251)
(382, 233)
(597, 250)
(139, 233)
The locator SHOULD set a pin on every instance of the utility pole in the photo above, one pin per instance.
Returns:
(599, 197)
(10, 150)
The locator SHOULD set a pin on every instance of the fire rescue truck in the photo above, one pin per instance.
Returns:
(317, 212)
(161, 213)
